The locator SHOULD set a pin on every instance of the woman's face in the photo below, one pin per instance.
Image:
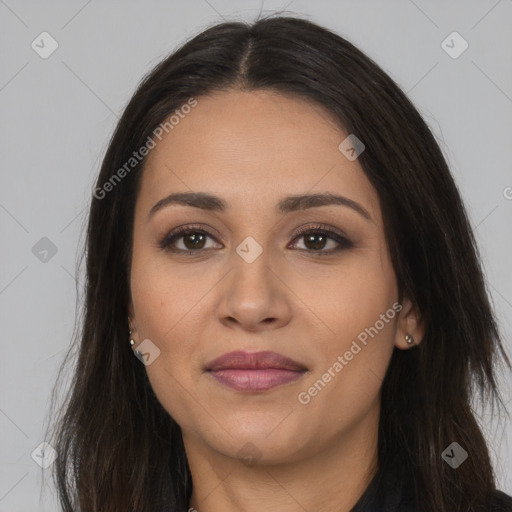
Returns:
(251, 282)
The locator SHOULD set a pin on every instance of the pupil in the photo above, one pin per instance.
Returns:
(317, 245)
(195, 239)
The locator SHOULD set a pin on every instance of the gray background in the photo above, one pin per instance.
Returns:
(58, 113)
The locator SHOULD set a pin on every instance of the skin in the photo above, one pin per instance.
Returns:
(252, 149)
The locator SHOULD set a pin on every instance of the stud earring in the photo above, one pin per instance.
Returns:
(409, 339)
(132, 341)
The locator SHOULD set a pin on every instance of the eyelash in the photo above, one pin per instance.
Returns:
(344, 243)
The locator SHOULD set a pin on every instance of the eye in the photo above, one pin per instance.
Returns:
(316, 238)
(193, 240)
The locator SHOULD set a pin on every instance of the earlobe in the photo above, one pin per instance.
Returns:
(410, 327)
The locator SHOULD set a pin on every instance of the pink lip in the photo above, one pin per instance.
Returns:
(256, 371)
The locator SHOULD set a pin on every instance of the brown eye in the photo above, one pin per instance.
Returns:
(316, 239)
(193, 240)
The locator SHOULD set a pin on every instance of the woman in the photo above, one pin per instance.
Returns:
(276, 235)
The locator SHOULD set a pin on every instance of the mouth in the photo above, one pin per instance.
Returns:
(256, 371)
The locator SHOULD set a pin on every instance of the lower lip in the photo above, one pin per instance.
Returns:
(255, 380)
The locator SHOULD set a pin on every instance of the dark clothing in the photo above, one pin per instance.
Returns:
(391, 490)
(501, 502)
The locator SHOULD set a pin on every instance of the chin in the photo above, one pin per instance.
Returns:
(259, 438)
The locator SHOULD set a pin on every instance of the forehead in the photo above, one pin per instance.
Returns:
(252, 147)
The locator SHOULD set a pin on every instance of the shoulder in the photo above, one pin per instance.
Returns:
(500, 502)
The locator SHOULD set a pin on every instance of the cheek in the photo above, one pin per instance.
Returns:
(165, 316)
(159, 294)
(359, 305)
(349, 297)
(346, 386)
(168, 307)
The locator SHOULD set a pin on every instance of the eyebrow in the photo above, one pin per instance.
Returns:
(209, 202)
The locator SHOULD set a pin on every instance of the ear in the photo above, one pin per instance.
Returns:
(409, 323)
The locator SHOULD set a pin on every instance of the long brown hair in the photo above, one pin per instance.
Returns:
(118, 449)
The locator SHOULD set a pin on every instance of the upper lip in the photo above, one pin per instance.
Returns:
(254, 360)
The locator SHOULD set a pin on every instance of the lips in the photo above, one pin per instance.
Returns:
(254, 360)
(254, 371)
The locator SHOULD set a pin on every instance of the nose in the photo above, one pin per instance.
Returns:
(253, 296)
